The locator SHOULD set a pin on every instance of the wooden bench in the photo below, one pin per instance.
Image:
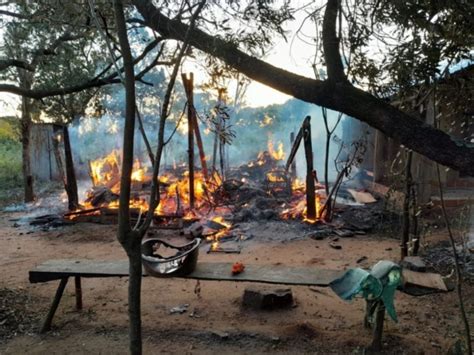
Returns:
(271, 274)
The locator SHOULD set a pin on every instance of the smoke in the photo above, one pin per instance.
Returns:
(94, 138)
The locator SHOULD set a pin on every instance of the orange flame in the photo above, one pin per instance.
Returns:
(138, 173)
(272, 177)
(105, 171)
(278, 154)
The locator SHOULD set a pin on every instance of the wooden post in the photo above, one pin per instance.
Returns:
(202, 155)
(188, 87)
(308, 149)
(78, 288)
(54, 306)
(293, 163)
(414, 218)
(296, 145)
(406, 208)
(221, 140)
(377, 331)
(218, 131)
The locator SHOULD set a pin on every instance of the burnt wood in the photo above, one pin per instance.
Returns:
(188, 88)
(293, 163)
(308, 150)
(296, 145)
(202, 155)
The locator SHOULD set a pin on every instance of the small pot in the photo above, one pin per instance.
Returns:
(182, 263)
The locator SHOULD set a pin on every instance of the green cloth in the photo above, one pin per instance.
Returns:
(380, 283)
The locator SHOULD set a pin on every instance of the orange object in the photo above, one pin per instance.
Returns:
(237, 268)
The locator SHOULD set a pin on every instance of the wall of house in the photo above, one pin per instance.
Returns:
(43, 163)
(453, 111)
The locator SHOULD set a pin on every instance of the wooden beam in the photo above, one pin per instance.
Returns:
(308, 149)
(188, 87)
(296, 144)
(293, 162)
(54, 306)
(202, 155)
(271, 274)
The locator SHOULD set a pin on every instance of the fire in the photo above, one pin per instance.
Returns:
(272, 177)
(297, 185)
(278, 154)
(138, 173)
(106, 171)
(267, 120)
(297, 209)
(214, 239)
(220, 220)
(318, 211)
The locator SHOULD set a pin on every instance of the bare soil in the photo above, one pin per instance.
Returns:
(215, 321)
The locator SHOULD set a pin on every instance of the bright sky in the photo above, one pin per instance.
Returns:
(293, 57)
(8, 104)
(296, 56)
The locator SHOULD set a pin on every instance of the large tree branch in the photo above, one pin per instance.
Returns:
(331, 43)
(15, 14)
(42, 93)
(6, 63)
(339, 96)
(51, 50)
(93, 83)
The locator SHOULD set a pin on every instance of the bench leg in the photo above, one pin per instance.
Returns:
(77, 283)
(54, 306)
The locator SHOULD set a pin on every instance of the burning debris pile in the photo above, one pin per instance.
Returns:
(210, 204)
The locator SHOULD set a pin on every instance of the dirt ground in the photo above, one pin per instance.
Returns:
(215, 321)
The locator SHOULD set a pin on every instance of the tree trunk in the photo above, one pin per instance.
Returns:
(328, 215)
(134, 296)
(294, 174)
(310, 195)
(414, 219)
(129, 239)
(25, 143)
(71, 183)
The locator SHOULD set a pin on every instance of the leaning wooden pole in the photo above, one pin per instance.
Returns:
(188, 87)
(295, 146)
(222, 128)
(308, 149)
(293, 163)
(202, 155)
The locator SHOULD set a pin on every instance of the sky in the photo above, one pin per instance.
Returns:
(294, 55)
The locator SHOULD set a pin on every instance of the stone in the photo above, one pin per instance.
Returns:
(179, 309)
(195, 230)
(269, 214)
(414, 263)
(260, 297)
(221, 334)
(318, 234)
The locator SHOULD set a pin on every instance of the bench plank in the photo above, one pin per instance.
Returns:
(273, 274)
